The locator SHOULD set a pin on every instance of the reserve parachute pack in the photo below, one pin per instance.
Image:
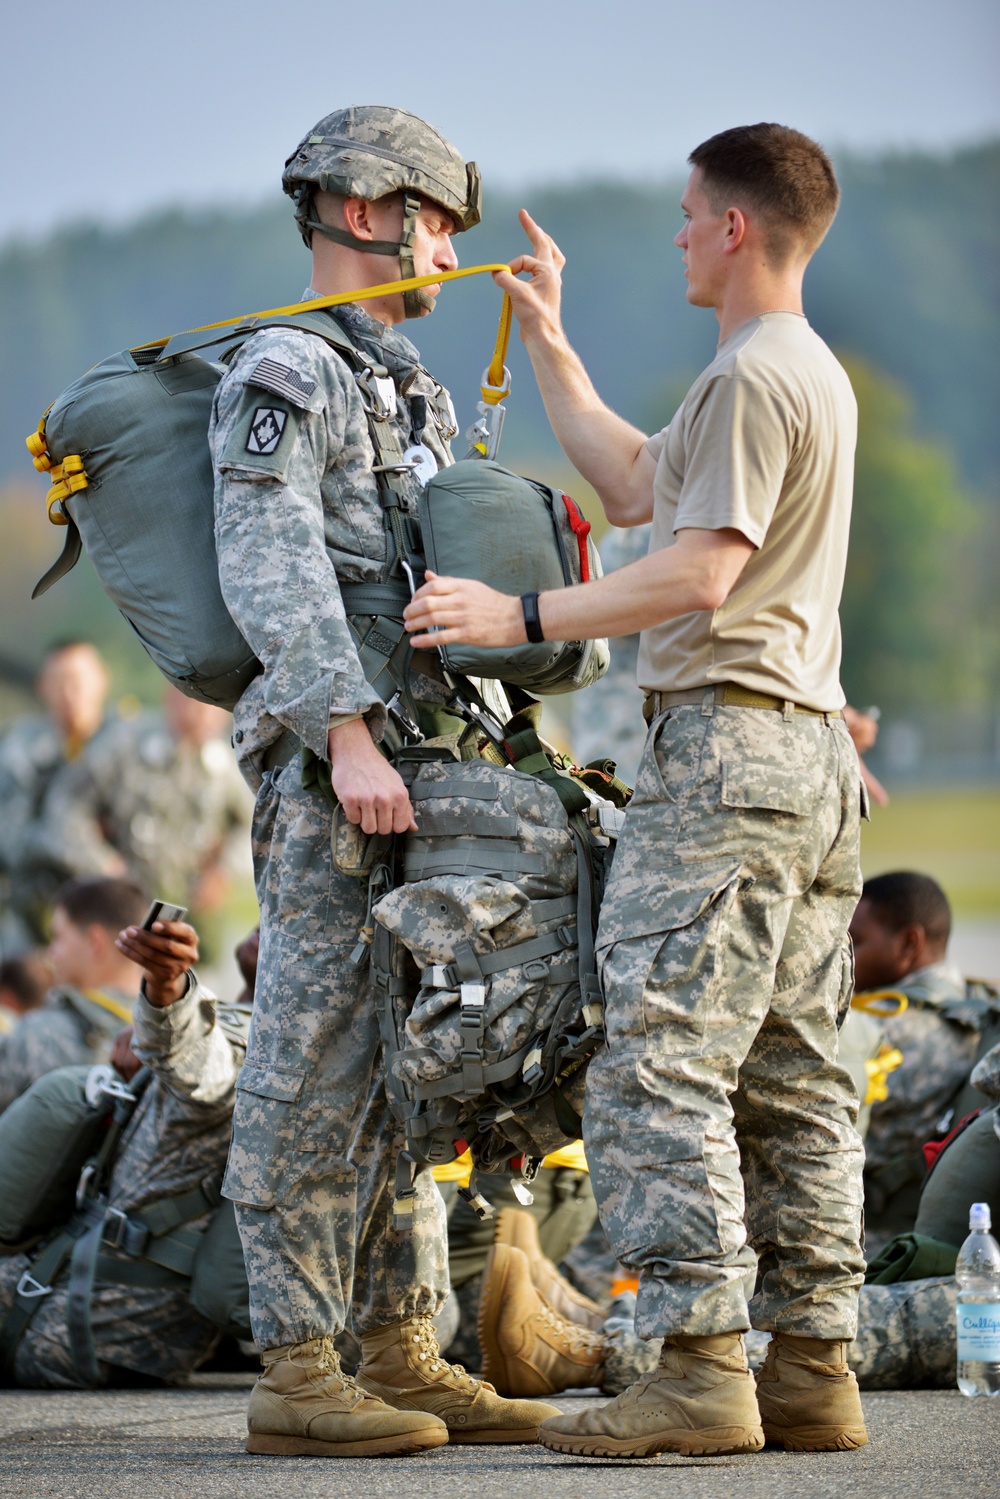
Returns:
(126, 450)
(58, 1145)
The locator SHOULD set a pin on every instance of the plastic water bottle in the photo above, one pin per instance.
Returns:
(977, 1271)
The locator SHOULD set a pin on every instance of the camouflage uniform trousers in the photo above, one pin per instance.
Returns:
(314, 1144)
(906, 1340)
(726, 965)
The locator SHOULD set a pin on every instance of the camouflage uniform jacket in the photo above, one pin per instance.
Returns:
(71, 1029)
(32, 754)
(178, 1137)
(139, 794)
(295, 520)
(937, 1034)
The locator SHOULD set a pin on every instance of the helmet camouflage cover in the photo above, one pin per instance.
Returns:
(369, 151)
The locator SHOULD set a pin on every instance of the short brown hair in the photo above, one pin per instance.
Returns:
(110, 903)
(779, 172)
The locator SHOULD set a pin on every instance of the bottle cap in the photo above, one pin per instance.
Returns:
(979, 1218)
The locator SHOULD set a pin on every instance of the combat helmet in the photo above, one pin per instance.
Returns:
(371, 150)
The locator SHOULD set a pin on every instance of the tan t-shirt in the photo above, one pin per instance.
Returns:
(763, 442)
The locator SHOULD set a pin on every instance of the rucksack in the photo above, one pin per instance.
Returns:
(58, 1145)
(481, 950)
(126, 446)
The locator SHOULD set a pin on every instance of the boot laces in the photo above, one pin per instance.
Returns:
(578, 1339)
(425, 1338)
(329, 1364)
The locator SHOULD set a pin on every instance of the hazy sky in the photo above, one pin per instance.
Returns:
(112, 107)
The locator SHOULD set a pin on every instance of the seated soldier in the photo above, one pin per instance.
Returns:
(94, 987)
(139, 1321)
(900, 932)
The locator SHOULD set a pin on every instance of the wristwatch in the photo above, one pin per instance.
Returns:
(532, 624)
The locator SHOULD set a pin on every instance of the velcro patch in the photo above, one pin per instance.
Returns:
(266, 427)
(283, 380)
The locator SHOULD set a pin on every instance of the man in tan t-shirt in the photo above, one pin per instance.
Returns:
(719, 1123)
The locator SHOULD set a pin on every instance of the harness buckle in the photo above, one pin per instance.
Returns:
(115, 1227)
(102, 1082)
(484, 435)
(86, 1177)
(380, 391)
(399, 713)
(29, 1287)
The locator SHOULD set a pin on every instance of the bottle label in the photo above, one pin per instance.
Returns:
(979, 1331)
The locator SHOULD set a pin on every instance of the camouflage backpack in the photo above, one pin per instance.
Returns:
(481, 950)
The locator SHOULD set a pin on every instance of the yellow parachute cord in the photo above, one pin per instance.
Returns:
(70, 476)
(878, 1067)
(362, 294)
(884, 1003)
(105, 1002)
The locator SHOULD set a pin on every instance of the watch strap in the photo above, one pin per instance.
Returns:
(532, 623)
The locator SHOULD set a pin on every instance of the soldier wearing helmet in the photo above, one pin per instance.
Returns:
(300, 528)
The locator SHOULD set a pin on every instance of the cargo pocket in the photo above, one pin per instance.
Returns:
(751, 805)
(264, 1126)
(668, 956)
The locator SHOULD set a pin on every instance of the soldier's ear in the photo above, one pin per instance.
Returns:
(911, 946)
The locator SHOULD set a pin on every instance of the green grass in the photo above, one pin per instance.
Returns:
(953, 835)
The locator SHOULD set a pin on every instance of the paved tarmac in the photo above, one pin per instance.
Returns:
(168, 1444)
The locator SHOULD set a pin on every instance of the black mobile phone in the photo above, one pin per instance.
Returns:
(162, 910)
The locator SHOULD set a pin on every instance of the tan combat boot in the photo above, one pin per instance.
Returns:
(808, 1397)
(528, 1349)
(403, 1366)
(303, 1405)
(699, 1400)
(518, 1229)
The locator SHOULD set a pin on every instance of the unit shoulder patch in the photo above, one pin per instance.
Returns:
(285, 381)
(266, 427)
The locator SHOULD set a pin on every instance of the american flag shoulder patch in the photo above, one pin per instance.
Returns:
(283, 381)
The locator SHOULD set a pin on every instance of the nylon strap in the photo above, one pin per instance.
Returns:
(447, 975)
(422, 862)
(375, 598)
(141, 1273)
(344, 237)
(82, 1267)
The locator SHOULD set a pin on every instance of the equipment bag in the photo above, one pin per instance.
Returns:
(478, 520)
(129, 441)
(58, 1146)
(486, 1044)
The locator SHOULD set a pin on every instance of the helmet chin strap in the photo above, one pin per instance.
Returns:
(414, 302)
